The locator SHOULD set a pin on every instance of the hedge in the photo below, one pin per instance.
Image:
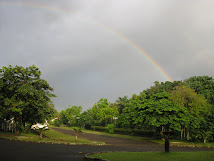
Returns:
(134, 132)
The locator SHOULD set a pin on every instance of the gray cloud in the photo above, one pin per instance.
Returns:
(79, 48)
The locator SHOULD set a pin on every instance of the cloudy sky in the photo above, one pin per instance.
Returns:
(85, 48)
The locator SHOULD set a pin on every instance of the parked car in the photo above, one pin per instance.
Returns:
(39, 126)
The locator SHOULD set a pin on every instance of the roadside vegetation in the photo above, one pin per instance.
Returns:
(179, 110)
(150, 139)
(155, 156)
(52, 137)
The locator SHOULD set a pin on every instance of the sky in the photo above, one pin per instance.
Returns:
(88, 50)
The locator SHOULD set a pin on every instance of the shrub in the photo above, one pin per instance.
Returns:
(56, 123)
(99, 128)
(110, 128)
(134, 132)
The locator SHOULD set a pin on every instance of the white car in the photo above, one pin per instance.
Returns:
(39, 126)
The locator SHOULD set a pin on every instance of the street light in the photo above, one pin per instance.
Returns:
(78, 120)
(115, 118)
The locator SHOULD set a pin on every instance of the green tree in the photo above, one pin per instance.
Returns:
(121, 103)
(77, 131)
(131, 116)
(24, 95)
(62, 117)
(73, 115)
(195, 104)
(203, 85)
(102, 113)
(161, 112)
(161, 87)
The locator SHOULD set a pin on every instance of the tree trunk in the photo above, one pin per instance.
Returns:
(76, 138)
(18, 124)
(40, 135)
(182, 130)
(187, 134)
(205, 140)
(167, 145)
(184, 133)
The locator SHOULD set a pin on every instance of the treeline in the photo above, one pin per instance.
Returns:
(184, 108)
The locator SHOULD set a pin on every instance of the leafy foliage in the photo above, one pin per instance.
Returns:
(180, 107)
(24, 95)
(110, 128)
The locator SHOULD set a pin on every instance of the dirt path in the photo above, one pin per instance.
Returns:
(127, 144)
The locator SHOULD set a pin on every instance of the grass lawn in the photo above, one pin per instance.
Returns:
(55, 137)
(186, 143)
(155, 156)
(108, 134)
(172, 142)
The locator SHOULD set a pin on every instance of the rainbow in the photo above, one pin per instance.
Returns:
(91, 20)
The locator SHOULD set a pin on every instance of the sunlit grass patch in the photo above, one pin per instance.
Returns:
(108, 134)
(53, 137)
(157, 156)
(185, 143)
(160, 141)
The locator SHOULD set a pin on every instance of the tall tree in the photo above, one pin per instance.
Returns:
(203, 85)
(159, 111)
(73, 115)
(121, 103)
(161, 87)
(195, 104)
(131, 116)
(102, 112)
(24, 95)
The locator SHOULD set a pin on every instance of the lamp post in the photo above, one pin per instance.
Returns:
(78, 120)
(115, 119)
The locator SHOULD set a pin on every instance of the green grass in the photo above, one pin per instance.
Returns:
(157, 156)
(172, 142)
(55, 137)
(108, 134)
(58, 135)
(185, 143)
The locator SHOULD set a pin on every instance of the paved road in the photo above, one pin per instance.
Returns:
(26, 151)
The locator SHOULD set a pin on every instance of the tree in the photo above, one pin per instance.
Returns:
(72, 114)
(24, 95)
(62, 117)
(161, 112)
(195, 104)
(102, 113)
(121, 103)
(131, 116)
(77, 131)
(203, 85)
(161, 87)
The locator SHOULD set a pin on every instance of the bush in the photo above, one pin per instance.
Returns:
(110, 128)
(134, 132)
(99, 128)
(56, 123)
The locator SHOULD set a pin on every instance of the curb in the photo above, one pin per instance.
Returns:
(95, 159)
(186, 146)
(99, 159)
(41, 142)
